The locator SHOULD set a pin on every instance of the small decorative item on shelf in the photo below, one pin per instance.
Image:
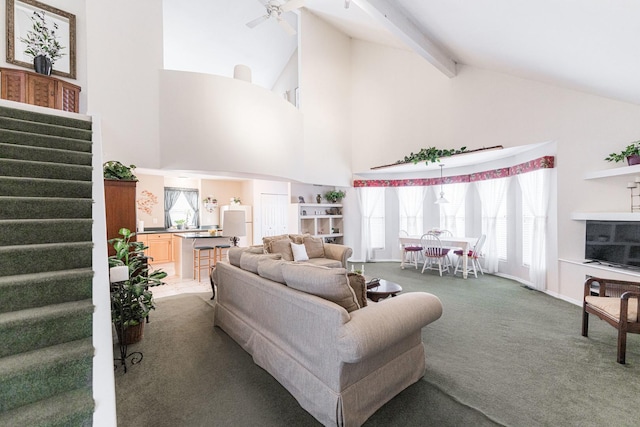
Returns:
(635, 207)
(210, 204)
(235, 201)
(180, 223)
(300, 199)
(631, 154)
(318, 198)
(42, 43)
(334, 196)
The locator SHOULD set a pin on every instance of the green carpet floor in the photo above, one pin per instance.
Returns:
(500, 355)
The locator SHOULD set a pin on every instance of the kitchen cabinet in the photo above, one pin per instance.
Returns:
(160, 247)
(39, 89)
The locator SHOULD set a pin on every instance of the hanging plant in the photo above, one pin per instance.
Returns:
(431, 155)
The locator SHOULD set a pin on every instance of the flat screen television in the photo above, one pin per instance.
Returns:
(613, 243)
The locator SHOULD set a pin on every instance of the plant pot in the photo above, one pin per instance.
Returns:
(633, 159)
(132, 334)
(42, 65)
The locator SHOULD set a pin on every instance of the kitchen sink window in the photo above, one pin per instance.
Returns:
(181, 204)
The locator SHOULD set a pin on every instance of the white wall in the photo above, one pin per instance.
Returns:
(123, 64)
(325, 72)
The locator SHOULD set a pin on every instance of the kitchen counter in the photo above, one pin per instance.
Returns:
(183, 249)
(172, 230)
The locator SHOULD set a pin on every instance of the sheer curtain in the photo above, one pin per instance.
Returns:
(535, 188)
(455, 194)
(193, 200)
(170, 198)
(492, 194)
(368, 198)
(411, 201)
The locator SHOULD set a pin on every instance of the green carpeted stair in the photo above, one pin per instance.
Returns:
(45, 270)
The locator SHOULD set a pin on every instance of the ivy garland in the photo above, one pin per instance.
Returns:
(430, 155)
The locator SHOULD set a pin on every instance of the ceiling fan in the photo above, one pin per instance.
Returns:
(275, 9)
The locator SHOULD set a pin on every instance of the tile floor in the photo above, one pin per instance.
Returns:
(175, 285)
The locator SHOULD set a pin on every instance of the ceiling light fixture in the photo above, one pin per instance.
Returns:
(441, 200)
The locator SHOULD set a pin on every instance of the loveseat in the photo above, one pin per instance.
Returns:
(310, 249)
(304, 325)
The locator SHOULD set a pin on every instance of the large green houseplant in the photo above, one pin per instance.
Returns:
(132, 301)
(631, 153)
(113, 169)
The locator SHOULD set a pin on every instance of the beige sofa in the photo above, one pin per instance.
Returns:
(341, 362)
(318, 253)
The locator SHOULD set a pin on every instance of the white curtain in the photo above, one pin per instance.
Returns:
(455, 194)
(535, 192)
(492, 193)
(368, 198)
(411, 201)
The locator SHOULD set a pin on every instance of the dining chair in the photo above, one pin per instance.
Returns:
(434, 253)
(473, 256)
(410, 252)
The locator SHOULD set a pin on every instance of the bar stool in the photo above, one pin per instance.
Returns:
(219, 251)
(202, 258)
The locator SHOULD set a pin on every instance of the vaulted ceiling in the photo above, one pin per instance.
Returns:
(587, 45)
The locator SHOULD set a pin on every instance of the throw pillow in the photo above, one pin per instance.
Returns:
(359, 286)
(282, 247)
(271, 269)
(298, 238)
(299, 252)
(249, 261)
(314, 246)
(328, 283)
(234, 255)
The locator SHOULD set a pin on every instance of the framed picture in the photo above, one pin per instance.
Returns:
(19, 23)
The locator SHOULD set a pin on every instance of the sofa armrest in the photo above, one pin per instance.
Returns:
(378, 326)
(338, 252)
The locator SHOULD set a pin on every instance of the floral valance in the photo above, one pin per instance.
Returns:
(545, 162)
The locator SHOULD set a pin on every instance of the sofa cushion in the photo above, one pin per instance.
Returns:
(235, 253)
(314, 246)
(249, 261)
(268, 241)
(282, 247)
(271, 269)
(325, 262)
(328, 283)
(359, 286)
(299, 252)
(298, 238)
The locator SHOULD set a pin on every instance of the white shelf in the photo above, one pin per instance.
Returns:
(625, 170)
(606, 216)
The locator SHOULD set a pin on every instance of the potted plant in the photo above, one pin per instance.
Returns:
(116, 170)
(334, 195)
(131, 300)
(180, 223)
(631, 154)
(42, 43)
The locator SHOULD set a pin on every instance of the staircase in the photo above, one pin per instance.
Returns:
(46, 271)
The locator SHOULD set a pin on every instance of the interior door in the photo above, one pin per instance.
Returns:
(275, 214)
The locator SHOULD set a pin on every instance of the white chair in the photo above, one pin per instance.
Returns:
(434, 254)
(473, 256)
(411, 252)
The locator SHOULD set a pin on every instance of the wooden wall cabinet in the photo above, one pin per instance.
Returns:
(38, 89)
(120, 207)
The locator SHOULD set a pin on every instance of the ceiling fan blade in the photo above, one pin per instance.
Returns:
(252, 24)
(285, 26)
(291, 5)
(264, 2)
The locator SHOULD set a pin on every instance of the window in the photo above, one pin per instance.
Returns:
(182, 210)
(181, 204)
(411, 205)
(501, 231)
(377, 225)
(527, 233)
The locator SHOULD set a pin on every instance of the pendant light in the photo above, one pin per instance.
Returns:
(441, 199)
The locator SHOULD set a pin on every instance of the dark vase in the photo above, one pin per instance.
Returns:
(633, 159)
(42, 65)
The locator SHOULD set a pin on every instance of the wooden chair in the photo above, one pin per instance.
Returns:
(434, 254)
(616, 302)
(410, 253)
(473, 256)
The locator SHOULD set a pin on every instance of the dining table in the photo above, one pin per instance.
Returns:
(464, 243)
